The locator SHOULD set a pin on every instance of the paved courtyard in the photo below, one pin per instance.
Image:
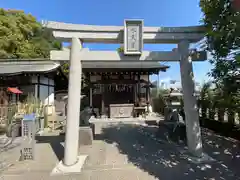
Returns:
(131, 151)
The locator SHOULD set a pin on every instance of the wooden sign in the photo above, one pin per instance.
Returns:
(133, 37)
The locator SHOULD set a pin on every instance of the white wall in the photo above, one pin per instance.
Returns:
(46, 93)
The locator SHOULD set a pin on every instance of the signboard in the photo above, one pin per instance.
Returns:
(133, 37)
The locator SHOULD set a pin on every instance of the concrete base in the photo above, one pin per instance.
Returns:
(85, 135)
(196, 160)
(61, 169)
(204, 159)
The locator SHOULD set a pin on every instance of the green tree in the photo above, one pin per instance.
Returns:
(120, 49)
(222, 21)
(21, 36)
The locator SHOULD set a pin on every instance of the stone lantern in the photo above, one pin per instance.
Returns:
(174, 106)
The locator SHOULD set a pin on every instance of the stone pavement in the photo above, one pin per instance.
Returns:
(9, 151)
(129, 152)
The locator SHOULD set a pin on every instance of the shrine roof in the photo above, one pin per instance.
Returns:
(44, 66)
(123, 65)
(16, 66)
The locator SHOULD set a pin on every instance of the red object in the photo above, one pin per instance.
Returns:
(236, 4)
(14, 90)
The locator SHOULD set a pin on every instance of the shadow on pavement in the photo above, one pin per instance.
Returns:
(55, 142)
(164, 160)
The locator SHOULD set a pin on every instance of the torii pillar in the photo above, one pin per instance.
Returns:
(193, 130)
(72, 162)
(73, 111)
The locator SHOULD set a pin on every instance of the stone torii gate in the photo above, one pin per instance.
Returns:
(133, 34)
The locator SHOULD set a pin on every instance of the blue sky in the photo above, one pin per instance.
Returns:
(113, 12)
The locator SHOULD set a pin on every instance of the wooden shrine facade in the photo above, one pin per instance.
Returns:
(115, 92)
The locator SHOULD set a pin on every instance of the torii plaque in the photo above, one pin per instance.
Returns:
(133, 37)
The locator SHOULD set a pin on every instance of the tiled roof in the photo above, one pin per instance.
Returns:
(123, 65)
(27, 66)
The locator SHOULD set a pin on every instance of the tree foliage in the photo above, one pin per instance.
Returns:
(222, 21)
(120, 49)
(21, 36)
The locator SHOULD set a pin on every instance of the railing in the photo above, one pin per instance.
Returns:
(220, 114)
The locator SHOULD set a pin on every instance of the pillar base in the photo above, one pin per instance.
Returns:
(198, 160)
(61, 169)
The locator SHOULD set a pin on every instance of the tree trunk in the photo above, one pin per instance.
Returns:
(231, 117)
(212, 113)
(204, 112)
(221, 114)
